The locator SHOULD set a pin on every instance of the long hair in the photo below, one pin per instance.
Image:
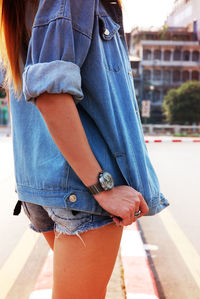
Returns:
(14, 38)
(120, 2)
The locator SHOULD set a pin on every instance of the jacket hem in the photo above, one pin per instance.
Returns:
(85, 202)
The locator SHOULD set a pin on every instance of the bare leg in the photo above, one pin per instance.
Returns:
(50, 236)
(84, 272)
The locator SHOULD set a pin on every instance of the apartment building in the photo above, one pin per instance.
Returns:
(162, 60)
(186, 13)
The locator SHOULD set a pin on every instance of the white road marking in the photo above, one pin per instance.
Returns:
(16, 261)
(183, 245)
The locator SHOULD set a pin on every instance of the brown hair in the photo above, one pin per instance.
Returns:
(14, 38)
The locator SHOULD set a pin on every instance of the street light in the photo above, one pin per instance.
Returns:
(151, 87)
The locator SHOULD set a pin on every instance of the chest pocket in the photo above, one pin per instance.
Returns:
(108, 30)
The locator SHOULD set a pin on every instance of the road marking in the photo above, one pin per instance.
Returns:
(184, 246)
(16, 261)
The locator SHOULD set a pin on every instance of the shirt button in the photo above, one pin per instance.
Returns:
(72, 198)
(106, 32)
(130, 73)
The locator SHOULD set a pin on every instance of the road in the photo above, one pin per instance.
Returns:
(172, 237)
(22, 251)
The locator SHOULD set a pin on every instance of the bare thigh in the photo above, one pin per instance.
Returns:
(84, 271)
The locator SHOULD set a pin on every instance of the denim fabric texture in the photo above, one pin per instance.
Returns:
(62, 220)
(78, 47)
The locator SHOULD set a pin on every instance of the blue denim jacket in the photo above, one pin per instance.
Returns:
(78, 47)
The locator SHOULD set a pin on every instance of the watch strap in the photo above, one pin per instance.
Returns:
(95, 189)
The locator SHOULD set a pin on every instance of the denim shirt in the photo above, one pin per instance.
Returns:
(78, 47)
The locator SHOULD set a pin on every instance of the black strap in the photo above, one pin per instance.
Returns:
(17, 208)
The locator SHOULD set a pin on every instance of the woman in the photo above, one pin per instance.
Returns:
(81, 164)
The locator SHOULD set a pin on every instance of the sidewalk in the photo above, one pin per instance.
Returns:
(132, 277)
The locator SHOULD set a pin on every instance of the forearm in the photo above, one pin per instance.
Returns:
(64, 124)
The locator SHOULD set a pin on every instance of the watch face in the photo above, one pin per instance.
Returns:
(106, 181)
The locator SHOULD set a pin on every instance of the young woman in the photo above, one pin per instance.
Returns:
(81, 164)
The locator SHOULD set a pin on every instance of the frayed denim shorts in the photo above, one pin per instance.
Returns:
(62, 220)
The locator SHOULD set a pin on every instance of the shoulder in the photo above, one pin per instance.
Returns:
(79, 12)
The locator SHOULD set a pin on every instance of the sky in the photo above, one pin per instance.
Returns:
(145, 13)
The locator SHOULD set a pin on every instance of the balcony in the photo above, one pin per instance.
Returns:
(171, 63)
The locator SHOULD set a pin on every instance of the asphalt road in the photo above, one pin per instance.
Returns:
(173, 237)
(22, 251)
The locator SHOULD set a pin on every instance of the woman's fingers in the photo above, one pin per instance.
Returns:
(139, 206)
(122, 202)
(143, 205)
(117, 220)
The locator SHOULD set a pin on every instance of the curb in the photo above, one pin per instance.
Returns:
(44, 283)
(171, 140)
(138, 277)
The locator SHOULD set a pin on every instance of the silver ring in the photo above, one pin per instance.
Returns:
(137, 214)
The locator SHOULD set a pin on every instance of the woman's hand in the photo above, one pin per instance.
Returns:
(122, 202)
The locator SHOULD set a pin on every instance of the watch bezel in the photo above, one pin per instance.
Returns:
(105, 183)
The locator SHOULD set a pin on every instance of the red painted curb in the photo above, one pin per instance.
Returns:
(139, 279)
(170, 140)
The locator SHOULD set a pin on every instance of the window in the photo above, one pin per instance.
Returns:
(157, 54)
(195, 75)
(157, 75)
(177, 55)
(195, 56)
(167, 76)
(167, 55)
(147, 55)
(147, 75)
(186, 55)
(146, 95)
(176, 76)
(186, 76)
(156, 96)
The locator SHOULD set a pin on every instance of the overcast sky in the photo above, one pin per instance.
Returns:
(146, 13)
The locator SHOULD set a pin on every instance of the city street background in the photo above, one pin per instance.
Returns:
(177, 166)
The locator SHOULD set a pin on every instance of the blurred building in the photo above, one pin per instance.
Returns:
(4, 113)
(162, 60)
(186, 13)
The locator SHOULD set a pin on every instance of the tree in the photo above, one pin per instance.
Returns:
(182, 105)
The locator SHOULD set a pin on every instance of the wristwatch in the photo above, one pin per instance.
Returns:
(105, 182)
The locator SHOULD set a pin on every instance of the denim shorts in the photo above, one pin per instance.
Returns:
(62, 220)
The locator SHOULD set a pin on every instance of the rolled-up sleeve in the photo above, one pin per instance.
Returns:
(52, 77)
(56, 53)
